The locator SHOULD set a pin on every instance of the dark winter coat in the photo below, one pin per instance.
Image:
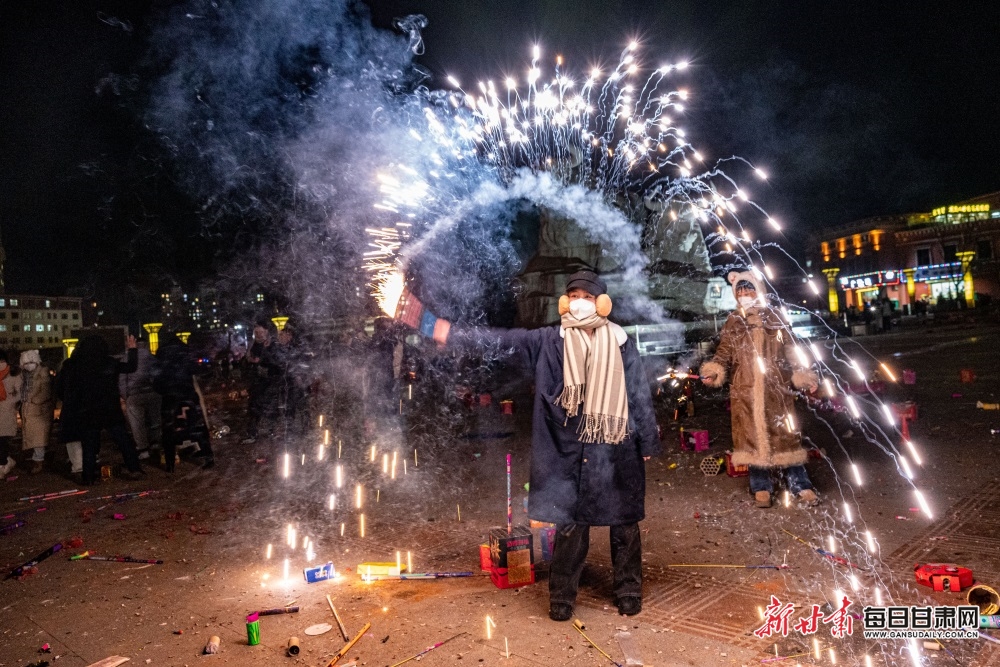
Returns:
(88, 388)
(573, 482)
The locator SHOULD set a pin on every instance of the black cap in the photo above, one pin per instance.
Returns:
(745, 284)
(586, 280)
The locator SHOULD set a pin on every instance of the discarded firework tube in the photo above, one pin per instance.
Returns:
(212, 647)
(253, 629)
(340, 623)
(293, 646)
(347, 647)
(989, 621)
(276, 611)
(19, 570)
(11, 527)
(984, 597)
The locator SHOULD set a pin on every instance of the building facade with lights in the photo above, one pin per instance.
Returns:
(37, 322)
(948, 255)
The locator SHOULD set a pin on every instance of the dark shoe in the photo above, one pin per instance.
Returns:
(559, 611)
(37, 467)
(209, 463)
(629, 606)
(132, 475)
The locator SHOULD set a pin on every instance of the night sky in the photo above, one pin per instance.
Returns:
(856, 109)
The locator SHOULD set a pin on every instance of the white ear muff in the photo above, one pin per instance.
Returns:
(603, 305)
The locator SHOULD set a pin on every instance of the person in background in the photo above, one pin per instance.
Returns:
(37, 404)
(142, 403)
(90, 385)
(10, 394)
(755, 350)
(886, 314)
(70, 428)
(593, 428)
(289, 379)
(261, 400)
(182, 415)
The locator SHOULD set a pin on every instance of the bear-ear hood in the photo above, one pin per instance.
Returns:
(31, 356)
(753, 277)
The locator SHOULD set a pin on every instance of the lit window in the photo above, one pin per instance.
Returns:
(39, 327)
(3, 327)
(48, 304)
(48, 327)
(13, 302)
(3, 303)
(27, 327)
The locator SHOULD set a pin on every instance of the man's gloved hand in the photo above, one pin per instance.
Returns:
(412, 313)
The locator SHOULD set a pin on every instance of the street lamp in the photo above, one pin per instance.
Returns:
(279, 321)
(184, 335)
(153, 329)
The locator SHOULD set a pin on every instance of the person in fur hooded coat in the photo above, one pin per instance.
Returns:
(755, 353)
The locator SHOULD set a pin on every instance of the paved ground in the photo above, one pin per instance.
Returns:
(212, 527)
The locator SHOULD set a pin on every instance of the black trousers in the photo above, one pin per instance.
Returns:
(4, 449)
(91, 441)
(570, 552)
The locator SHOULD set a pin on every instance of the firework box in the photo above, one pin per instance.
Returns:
(694, 440)
(734, 470)
(909, 376)
(319, 573)
(507, 407)
(384, 569)
(967, 376)
(511, 557)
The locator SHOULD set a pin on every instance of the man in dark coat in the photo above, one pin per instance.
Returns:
(89, 385)
(593, 428)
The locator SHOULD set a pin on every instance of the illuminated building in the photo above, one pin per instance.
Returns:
(948, 253)
(37, 322)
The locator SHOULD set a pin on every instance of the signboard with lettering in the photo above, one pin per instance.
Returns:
(875, 279)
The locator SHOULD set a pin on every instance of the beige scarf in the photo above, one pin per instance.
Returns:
(595, 362)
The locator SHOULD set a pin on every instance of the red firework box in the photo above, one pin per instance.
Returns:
(967, 376)
(694, 440)
(943, 576)
(511, 557)
(507, 407)
(734, 470)
(909, 376)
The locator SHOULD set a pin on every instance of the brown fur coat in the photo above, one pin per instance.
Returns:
(765, 427)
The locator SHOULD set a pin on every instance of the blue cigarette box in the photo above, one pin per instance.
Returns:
(319, 573)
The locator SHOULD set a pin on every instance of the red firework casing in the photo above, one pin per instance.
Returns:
(943, 576)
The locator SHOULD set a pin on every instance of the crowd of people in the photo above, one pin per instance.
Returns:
(142, 402)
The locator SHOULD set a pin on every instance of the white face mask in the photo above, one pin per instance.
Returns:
(30, 366)
(581, 309)
(747, 302)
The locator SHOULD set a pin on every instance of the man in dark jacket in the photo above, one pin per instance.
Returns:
(593, 428)
(89, 386)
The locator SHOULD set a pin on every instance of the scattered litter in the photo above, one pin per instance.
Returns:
(199, 530)
(987, 406)
(45, 648)
(118, 517)
(113, 661)
(29, 568)
(318, 629)
(943, 576)
(212, 647)
(293, 646)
